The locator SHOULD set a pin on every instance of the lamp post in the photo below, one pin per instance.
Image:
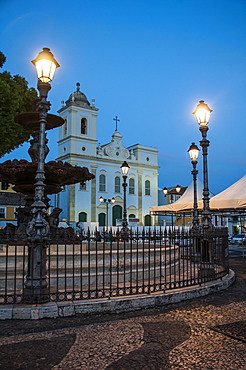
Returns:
(202, 113)
(124, 168)
(36, 289)
(166, 191)
(194, 153)
(107, 201)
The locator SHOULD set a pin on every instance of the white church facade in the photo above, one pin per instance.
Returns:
(78, 145)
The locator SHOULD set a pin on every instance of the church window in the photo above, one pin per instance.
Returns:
(131, 186)
(117, 184)
(83, 148)
(82, 186)
(83, 126)
(147, 187)
(65, 128)
(2, 212)
(102, 182)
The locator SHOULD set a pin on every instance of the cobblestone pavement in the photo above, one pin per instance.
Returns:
(207, 333)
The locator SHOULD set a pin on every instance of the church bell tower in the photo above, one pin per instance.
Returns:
(77, 136)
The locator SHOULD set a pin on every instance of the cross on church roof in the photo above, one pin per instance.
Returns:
(116, 119)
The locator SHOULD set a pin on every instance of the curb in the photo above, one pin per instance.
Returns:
(112, 305)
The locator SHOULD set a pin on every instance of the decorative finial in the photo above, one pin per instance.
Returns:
(62, 103)
(93, 102)
(78, 86)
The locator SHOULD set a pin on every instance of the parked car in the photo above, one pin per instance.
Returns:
(238, 239)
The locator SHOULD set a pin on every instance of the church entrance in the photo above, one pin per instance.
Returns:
(102, 219)
(117, 214)
(147, 220)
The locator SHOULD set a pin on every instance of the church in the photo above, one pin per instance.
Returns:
(92, 202)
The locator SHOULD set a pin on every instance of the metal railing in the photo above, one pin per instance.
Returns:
(106, 264)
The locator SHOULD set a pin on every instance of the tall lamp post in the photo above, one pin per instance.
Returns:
(107, 201)
(124, 168)
(36, 289)
(194, 153)
(202, 113)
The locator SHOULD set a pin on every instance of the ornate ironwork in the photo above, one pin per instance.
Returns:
(100, 264)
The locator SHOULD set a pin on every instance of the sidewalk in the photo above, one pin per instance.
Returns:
(204, 333)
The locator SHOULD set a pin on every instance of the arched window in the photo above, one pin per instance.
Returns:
(102, 219)
(131, 186)
(83, 126)
(131, 216)
(65, 128)
(117, 184)
(147, 187)
(102, 182)
(82, 217)
(147, 220)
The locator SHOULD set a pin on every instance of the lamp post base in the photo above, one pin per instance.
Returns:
(35, 294)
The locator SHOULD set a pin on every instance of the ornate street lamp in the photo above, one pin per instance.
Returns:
(124, 168)
(194, 153)
(36, 289)
(107, 201)
(202, 113)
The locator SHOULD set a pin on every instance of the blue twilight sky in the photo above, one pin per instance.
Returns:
(149, 62)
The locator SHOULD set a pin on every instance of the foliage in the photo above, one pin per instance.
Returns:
(15, 97)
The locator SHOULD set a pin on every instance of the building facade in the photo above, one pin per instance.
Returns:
(78, 145)
(9, 201)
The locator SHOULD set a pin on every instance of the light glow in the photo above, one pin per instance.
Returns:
(46, 65)
(193, 152)
(125, 168)
(202, 113)
(45, 70)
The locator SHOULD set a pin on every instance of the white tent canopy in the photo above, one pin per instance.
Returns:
(184, 203)
(232, 198)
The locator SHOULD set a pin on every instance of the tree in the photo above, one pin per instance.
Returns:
(15, 97)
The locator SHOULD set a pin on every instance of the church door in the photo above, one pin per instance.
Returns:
(102, 219)
(147, 220)
(117, 214)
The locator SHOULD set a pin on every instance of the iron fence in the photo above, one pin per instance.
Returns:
(95, 265)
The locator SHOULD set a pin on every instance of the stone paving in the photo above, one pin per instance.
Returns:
(207, 333)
